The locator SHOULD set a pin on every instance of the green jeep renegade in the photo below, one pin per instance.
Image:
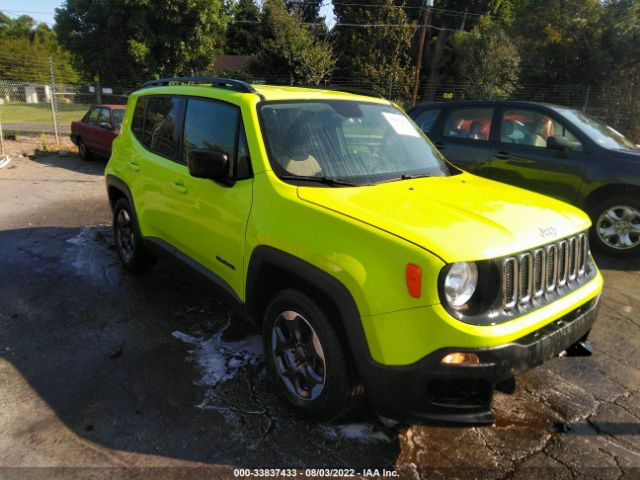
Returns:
(373, 267)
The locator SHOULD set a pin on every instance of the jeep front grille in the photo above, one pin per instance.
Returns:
(543, 272)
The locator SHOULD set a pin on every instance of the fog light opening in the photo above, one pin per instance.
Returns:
(460, 358)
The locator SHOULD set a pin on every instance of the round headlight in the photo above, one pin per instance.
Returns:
(460, 283)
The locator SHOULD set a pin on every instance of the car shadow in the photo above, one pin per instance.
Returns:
(156, 364)
(73, 162)
(606, 262)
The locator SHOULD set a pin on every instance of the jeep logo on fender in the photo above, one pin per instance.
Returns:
(548, 232)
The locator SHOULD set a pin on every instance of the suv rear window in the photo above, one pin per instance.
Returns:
(162, 126)
(137, 124)
(471, 123)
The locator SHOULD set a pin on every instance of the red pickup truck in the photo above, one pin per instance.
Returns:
(97, 129)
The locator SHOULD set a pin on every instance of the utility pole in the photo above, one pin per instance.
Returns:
(423, 34)
(53, 100)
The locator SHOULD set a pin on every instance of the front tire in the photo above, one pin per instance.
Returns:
(616, 227)
(134, 256)
(306, 359)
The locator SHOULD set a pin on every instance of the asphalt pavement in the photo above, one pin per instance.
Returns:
(106, 375)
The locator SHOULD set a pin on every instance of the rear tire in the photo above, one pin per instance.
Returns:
(616, 227)
(134, 256)
(84, 153)
(306, 359)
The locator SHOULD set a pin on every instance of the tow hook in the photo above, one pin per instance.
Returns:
(581, 348)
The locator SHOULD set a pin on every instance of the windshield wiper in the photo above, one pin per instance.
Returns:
(324, 180)
(406, 176)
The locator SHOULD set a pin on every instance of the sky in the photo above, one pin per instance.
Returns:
(43, 10)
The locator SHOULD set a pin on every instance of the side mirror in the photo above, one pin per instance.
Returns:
(106, 125)
(212, 164)
(558, 142)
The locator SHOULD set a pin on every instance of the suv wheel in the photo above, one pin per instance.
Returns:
(616, 227)
(134, 257)
(83, 151)
(306, 359)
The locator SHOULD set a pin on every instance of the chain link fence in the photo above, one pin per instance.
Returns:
(28, 108)
(32, 108)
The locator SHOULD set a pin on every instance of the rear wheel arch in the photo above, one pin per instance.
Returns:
(117, 189)
(608, 191)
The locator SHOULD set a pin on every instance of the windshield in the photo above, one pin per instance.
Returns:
(118, 114)
(355, 142)
(598, 131)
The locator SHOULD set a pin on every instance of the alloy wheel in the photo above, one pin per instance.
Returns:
(125, 240)
(298, 354)
(619, 227)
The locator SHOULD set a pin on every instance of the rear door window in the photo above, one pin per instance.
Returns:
(161, 132)
(92, 118)
(427, 119)
(472, 123)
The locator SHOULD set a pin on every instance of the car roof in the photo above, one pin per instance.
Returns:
(266, 92)
(477, 103)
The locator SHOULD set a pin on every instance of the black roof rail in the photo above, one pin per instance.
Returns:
(339, 88)
(228, 83)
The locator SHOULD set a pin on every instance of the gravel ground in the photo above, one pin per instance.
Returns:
(104, 375)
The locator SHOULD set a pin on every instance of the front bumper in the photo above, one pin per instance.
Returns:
(429, 391)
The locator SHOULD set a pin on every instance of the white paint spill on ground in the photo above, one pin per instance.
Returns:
(91, 257)
(220, 360)
(361, 432)
(4, 161)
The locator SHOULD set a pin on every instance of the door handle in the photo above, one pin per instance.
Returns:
(502, 155)
(179, 187)
(440, 145)
(133, 166)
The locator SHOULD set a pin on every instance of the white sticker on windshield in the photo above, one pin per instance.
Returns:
(401, 124)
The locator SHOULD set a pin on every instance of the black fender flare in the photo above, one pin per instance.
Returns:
(265, 257)
(115, 182)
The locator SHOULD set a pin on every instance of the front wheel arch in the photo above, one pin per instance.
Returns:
(271, 270)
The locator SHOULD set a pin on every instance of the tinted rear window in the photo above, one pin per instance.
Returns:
(137, 123)
(162, 126)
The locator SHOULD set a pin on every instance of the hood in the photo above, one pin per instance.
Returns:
(458, 218)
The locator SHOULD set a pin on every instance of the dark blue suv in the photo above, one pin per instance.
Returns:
(557, 151)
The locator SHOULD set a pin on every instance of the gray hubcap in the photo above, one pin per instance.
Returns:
(298, 355)
(619, 227)
(125, 240)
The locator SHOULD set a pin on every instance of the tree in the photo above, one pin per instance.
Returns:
(309, 10)
(289, 48)
(560, 41)
(25, 48)
(243, 36)
(375, 45)
(487, 60)
(128, 41)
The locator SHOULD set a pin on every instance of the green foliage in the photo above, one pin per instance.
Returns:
(243, 35)
(128, 41)
(290, 49)
(560, 40)
(25, 48)
(380, 54)
(488, 60)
